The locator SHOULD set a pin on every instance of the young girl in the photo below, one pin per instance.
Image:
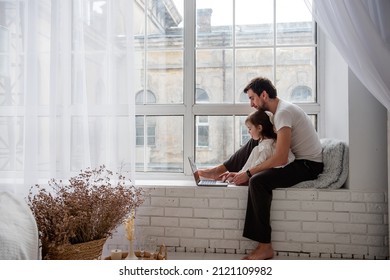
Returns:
(260, 128)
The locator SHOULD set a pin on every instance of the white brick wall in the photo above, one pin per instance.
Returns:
(319, 223)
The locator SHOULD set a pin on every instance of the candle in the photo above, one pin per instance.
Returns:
(116, 254)
(129, 225)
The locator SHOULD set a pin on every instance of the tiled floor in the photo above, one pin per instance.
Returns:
(202, 256)
(215, 256)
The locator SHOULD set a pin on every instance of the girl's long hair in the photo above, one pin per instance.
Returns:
(260, 117)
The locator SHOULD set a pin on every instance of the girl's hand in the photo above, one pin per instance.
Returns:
(227, 177)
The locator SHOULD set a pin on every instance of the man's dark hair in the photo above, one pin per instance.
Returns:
(259, 84)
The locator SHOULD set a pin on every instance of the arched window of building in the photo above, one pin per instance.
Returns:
(150, 97)
(201, 96)
(301, 94)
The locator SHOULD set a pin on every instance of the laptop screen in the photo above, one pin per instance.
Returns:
(194, 169)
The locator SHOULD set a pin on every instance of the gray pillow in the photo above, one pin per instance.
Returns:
(335, 173)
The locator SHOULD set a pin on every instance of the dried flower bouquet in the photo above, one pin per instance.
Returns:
(89, 208)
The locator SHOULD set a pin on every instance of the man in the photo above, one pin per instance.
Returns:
(294, 131)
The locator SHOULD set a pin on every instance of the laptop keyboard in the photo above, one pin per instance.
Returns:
(209, 182)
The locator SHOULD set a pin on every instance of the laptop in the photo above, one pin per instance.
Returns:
(203, 182)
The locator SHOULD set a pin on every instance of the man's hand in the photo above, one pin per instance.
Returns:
(240, 178)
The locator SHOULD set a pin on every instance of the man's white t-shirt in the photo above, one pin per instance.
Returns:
(305, 142)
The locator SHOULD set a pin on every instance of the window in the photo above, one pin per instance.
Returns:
(192, 60)
(196, 56)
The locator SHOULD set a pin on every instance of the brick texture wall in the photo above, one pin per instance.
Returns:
(313, 223)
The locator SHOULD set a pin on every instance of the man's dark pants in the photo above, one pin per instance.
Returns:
(257, 220)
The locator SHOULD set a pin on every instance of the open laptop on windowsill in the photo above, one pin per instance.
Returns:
(202, 182)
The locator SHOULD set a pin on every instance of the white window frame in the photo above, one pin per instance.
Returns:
(189, 109)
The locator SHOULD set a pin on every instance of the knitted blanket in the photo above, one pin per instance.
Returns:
(335, 173)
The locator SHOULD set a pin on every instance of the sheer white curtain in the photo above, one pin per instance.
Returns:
(66, 96)
(360, 30)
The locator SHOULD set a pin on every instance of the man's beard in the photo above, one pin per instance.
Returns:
(263, 107)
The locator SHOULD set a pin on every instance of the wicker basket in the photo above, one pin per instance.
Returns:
(91, 250)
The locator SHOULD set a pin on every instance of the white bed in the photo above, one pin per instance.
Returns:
(18, 229)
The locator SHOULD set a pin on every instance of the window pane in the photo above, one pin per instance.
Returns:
(214, 23)
(165, 76)
(163, 150)
(139, 130)
(158, 30)
(224, 137)
(295, 73)
(202, 136)
(202, 131)
(214, 74)
(162, 20)
(254, 28)
(252, 63)
(295, 27)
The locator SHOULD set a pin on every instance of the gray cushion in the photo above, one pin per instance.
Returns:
(335, 158)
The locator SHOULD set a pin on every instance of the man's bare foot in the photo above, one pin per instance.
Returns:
(263, 251)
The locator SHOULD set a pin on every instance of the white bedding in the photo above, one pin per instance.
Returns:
(18, 229)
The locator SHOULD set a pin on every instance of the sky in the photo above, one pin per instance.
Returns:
(253, 11)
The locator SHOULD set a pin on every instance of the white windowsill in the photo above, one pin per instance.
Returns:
(165, 183)
(187, 183)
